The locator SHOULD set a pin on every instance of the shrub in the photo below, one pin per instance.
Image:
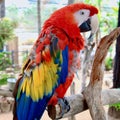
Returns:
(5, 60)
(108, 63)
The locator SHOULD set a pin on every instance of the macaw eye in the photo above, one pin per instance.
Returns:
(81, 13)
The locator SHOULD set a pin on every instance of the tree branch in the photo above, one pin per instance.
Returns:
(78, 104)
(93, 91)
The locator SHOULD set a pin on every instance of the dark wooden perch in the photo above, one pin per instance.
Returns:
(92, 93)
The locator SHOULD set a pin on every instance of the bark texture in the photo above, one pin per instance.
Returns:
(92, 93)
(78, 103)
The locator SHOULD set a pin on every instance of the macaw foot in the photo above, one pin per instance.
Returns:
(64, 105)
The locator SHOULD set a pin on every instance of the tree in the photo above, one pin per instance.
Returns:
(114, 111)
(6, 31)
(39, 15)
(70, 1)
(2, 8)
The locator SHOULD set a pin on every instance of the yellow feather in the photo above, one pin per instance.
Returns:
(53, 73)
(41, 80)
(28, 86)
(36, 83)
(36, 77)
(24, 84)
(32, 92)
(50, 76)
(35, 93)
(47, 79)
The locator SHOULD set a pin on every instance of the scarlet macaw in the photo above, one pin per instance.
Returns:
(53, 60)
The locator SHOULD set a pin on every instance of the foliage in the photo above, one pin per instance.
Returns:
(13, 13)
(46, 11)
(116, 106)
(29, 17)
(108, 63)
(25, 56)
(4, 60)
(6, 31)
(3, 79)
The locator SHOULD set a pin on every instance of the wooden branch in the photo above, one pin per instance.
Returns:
(78, 104)
(92, 93)
(85, 64)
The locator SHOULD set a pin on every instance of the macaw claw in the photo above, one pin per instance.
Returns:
(64, 105)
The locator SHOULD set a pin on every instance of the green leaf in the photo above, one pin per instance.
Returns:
(116, 105)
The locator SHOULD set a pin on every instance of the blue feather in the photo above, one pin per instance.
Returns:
(29, 109)
(64, 66)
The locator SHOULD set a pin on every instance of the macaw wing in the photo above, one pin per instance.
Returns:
(45, 69)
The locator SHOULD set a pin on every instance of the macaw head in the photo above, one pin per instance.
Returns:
(74, 19)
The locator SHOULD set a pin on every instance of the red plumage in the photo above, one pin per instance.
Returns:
(66, 29)
(64, 20)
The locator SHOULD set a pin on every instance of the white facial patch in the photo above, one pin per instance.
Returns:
(81, 16)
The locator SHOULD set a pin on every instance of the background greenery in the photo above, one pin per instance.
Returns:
(6, 30)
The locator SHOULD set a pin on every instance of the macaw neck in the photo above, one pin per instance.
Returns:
(69, 36)
(64, 22)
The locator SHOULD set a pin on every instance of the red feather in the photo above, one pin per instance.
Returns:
(46, 56)
(63, 18)
(38, 58)
(61, 90)
(39, 48)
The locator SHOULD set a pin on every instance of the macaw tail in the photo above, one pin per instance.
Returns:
(27, 108)
(34, 92)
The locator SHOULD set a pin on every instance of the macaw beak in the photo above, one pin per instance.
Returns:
(85, 27)
(91, 24)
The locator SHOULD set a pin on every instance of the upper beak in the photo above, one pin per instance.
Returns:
(84, 27)
(91, 24)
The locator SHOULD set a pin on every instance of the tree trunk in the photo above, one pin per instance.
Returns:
(93, 92)
(2, 8)
(70, 2)
(112, 112)
(39, 15)
(116, 75)
(72, 92)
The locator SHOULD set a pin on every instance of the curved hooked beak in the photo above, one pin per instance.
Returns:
(91, 24)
